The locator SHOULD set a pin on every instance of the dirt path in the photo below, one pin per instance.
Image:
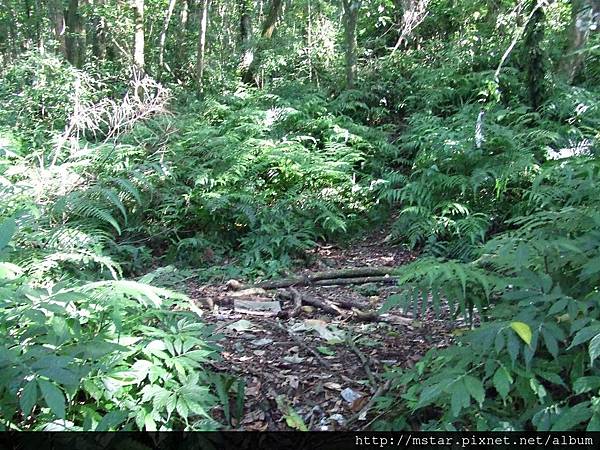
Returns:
(317, 369)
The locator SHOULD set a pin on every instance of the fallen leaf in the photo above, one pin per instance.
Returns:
(292, 418)
(261, 342)
(358, 404)
(241, 325)
(293, 381)
(325, 351)
(330, 333)
(350, 395)
(294, 359)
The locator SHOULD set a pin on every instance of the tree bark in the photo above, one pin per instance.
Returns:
(350, 17)
(358, 275)
(248, 76)
(99, 32)
(534, 34)
(74, 41)
(584, 14)
(138, 39)
(182, 29)
(201, 50)
(57, 16)
(246, 36)
(271, 19)
(163, 34)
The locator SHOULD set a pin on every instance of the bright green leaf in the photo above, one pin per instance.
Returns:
(53, 397)
(523, 330)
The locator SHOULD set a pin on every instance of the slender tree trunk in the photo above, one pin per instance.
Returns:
(351, 8)
(163, 34)
(309, 44)
(271, 19)
(246, 36)
(585, 14)
(534, 35)
(249, 75)
(74, 42)
(138, 40)
(201, 50)
(182, 27)
(57, 16)
(99, 32)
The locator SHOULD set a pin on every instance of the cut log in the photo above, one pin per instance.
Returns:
(359, 275)
(323, 304)
(360, 280)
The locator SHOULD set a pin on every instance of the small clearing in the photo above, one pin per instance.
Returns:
(314, 357)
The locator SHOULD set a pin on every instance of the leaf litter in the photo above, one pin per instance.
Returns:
(317, 370)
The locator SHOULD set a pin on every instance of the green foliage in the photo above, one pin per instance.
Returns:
(263, 175)
(537, 349)
(82, 348)
(100, 356)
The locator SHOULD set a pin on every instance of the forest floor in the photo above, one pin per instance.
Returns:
(306, 367)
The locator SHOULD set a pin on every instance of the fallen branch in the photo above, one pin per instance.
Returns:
(360, 280)
(358, 275)
(323, 304)
(349, 303)
(297, 297)
(363, 360)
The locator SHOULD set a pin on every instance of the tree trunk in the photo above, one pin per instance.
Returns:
(246, 36)
(74, 42)
(584, 15)
(99, 32)
(57, 16)
(248, 76)
(163, 34)
(271, 19)
(309, 44)
(201, 50)
(534, 35)
(351, 8)
(138, 40)
(181, 52)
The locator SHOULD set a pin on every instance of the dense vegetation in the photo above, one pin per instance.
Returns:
(142, 141)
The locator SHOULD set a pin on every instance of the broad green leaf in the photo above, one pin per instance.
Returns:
(523, 330)
(28, 397)
(584, 335)
(325, 350)
(149, 423)
(586, 384)
(53, 397)
(171, 404)
(594, 349)
(429, 394)
(460, 397)
(550, 342)
(111, 420)
(594, 423)
(182, 408)
(558, 306)
(572, 416)
(7, 230)
(502, 381)
(475, 388)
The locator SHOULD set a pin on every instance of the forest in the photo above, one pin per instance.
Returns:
(267, 215)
